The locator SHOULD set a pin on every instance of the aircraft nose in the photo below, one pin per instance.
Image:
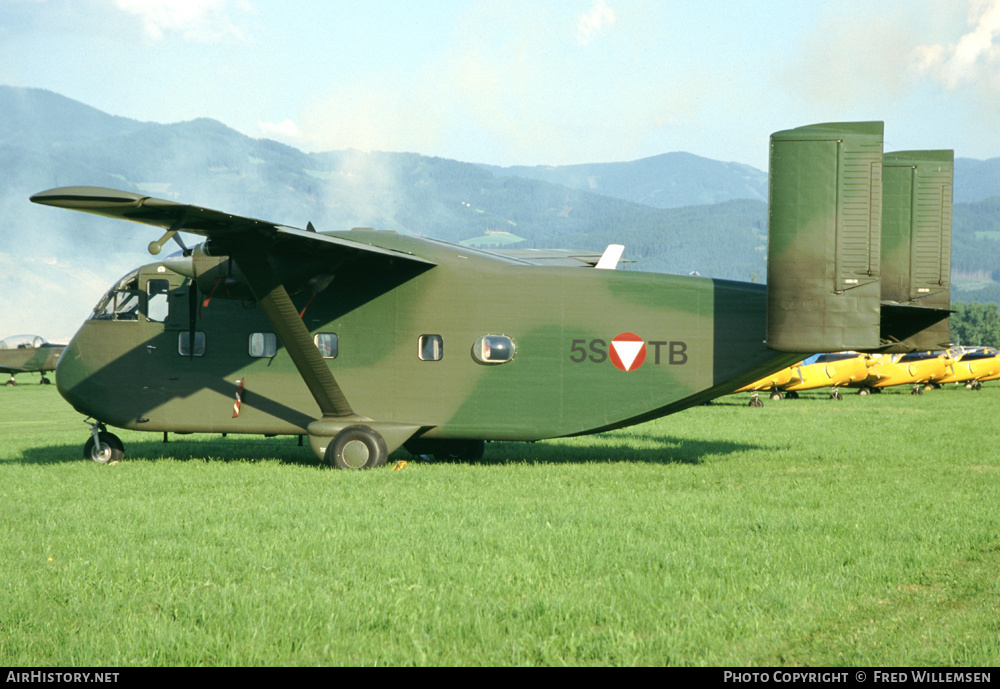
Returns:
(73, 378)
(67, 369)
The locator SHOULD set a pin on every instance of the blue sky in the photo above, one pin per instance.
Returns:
(510, 82)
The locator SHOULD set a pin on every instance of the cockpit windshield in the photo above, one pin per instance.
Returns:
(121, 303)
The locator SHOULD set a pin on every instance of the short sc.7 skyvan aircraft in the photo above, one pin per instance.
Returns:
(367, 341)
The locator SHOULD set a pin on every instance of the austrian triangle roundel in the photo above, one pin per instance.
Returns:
(627, 351)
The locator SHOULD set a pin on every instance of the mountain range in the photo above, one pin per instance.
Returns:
(675, 212)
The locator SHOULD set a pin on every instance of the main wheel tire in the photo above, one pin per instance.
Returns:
(357, 447)
(108, 449)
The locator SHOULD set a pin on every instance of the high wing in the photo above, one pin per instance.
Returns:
(213, 224)
(267, 254)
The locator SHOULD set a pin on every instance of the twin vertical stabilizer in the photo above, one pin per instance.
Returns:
(859, 242)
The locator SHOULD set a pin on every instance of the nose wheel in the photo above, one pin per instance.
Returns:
(103, 447)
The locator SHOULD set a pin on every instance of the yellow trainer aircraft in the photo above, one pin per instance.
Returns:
(916, 368)
(972, 367)
(835, 371)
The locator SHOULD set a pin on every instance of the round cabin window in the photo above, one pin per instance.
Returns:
(494, 349)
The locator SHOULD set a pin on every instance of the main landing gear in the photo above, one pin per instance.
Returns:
(357, 447)
(103, 447)
(362, 447)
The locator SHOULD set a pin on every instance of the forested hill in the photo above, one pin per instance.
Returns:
(675, 213)
(671, 180)
(49, 141)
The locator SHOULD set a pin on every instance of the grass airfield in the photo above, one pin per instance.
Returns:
(808, 532)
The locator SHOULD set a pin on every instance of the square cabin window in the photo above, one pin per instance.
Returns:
(263, 345)
(430, 348)
(184, 343)
(328, 344)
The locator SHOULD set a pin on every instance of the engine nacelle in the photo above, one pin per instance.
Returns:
(216, 276)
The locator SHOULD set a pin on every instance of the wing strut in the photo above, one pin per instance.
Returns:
(251, 256)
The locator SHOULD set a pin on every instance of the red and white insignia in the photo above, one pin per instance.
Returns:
(627, 351)
(239, 398)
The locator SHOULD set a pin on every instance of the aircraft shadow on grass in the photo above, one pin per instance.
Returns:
(654, 450)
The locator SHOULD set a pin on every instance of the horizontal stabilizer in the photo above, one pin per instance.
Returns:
(908, 327)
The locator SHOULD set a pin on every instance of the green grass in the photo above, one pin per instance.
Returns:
(808, 532)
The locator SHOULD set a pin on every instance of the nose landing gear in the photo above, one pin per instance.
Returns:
(103, 447)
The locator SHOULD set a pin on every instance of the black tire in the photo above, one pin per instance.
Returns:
(775, 396)
(357, 447)
(110, 448)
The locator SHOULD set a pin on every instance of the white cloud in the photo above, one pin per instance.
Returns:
(285, 130)
(974, 59)
(849, 61)
(199, 21)
(593, 22)
(67, 292)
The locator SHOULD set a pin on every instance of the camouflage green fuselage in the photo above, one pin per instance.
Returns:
(701, 338)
